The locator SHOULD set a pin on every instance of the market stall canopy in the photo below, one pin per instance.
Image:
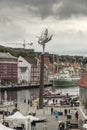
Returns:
(2, 127)
(16, 116)
(32, 118)
(85, 126)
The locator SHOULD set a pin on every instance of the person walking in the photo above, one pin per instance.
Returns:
(56, 101)
(53, 101)
(76, 115)
(56, 114)
(28, 101)
(69, 111)
(63, 125)
(45, 126)
(51, 110)
(65, 112)
(33, 125)
(60, 126)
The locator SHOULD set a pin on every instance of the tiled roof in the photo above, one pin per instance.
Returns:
(6, 55)
(83, 81)
(75, 64)
(32, 61)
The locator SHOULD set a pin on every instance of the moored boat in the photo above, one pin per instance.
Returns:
(65, 80)
(49, 93)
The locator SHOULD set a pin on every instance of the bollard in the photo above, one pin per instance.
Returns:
(45, 126)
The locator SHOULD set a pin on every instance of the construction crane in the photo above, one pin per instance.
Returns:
(24, 44)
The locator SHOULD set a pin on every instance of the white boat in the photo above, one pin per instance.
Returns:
(49, 93)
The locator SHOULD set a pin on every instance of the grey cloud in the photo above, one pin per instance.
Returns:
(11, 32)
(71, 8)
(44, 7)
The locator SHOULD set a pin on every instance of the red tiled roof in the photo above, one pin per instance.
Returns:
(75, 64)
(83, 81)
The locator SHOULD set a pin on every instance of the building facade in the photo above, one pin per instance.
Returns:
(29, 71)
(24, 71)
(35, 74)
(8, 69)
(82, 83)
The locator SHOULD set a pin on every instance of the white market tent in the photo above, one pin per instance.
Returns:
(36, 119)
(85, 126)
(32, 118)
(21, 118)
(17, 116)
(2, 127)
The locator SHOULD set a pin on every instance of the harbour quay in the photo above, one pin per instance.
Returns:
(19, 93)
(52, 122)
(23, 86)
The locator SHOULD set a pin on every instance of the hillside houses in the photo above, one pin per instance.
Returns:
(26, 70)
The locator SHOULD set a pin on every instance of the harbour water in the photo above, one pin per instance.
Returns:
(74, 90)
(51, 123)
(28, 94)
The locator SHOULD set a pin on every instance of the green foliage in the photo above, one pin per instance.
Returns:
(31, 54)
(57, 58)
(18, 53)
(85, 104)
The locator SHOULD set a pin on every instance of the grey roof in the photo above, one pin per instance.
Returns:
(31, 60)
(6, 55)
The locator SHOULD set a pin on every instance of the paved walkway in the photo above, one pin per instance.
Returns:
(52, 123)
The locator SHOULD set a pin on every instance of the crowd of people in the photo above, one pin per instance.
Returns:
(67, 112)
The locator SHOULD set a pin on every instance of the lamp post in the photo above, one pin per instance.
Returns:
(43, 39)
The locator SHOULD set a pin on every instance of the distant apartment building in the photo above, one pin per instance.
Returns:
(8, 69)
(35, 73)
(49, 67)
(29, 71)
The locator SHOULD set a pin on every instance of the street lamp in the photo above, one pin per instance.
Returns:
(43, 39)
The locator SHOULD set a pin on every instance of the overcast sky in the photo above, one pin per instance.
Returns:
(26, 19)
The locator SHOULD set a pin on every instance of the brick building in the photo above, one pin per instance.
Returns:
(8, 69)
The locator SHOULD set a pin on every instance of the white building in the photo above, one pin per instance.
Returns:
(29, 71)
(24, 71)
